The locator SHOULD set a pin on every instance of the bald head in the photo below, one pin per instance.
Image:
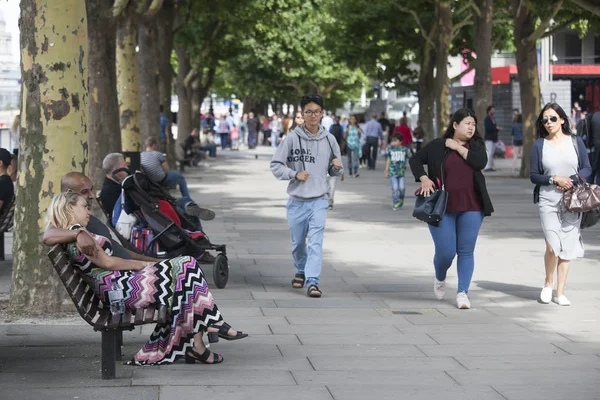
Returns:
(78, 183)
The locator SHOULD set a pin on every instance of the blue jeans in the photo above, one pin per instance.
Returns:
(353, 161)
(398, 189)
(174, 179)
(307, 219)
(274, 139)
(225, 140)
(456, 234)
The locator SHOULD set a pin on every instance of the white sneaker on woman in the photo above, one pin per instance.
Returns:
(546, 295)
(562, 300)
(462, 301)
(439, 289)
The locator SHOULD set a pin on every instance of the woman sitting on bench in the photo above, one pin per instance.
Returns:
(178, 283)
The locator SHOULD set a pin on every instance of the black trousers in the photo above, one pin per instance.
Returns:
(373, 148)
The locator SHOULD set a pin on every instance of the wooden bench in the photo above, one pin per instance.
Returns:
(6, 223)
(97, 314)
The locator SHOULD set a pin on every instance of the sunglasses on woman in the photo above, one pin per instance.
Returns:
(552, 119)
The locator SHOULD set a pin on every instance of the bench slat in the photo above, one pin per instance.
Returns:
(149, 314)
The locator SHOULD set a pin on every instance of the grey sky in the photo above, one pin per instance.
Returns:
(10, 14)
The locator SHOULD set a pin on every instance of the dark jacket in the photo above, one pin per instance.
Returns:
(434, 155)
(536, 167)
(491, 129)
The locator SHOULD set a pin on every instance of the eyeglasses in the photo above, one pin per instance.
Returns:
(552, 119)
(311, 113)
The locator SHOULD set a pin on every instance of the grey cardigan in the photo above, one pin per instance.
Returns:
(536, 168)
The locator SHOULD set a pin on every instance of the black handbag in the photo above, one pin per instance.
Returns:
(431, 209)
(589, 219)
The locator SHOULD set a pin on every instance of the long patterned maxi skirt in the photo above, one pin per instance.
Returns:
(178, 283)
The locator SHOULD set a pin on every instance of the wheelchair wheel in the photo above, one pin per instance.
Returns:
(221, 271)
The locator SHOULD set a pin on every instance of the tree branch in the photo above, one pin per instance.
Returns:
(558, 27)
(154, 8)
(119, 7)
(456, 29)
(332, 87)
(189, 77)
(459, 76)
(417, 20)
(537, 34)
(594, 9)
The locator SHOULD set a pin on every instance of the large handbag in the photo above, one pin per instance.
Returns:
(431, 209)
(589, 219)
(583, 197)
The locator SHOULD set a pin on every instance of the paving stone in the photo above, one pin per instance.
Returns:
(320, 312)
(83, 393)
(245, 392)
(299, 294)
(490, 349)
(328, 303)
(352, 350)
(400, 364)
(544, 362)
(330, 329)
(392, 392)
(492, 337)
(555, 391)
(195, 376)
(365, 338)
(580, 348)
(438, 379)
(55, 379)
(533, 377)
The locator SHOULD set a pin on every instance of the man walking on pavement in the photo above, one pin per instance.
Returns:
(373, 132)
(305, 158)
(491, 138)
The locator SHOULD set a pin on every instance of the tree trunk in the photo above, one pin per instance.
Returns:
(184, 116)
(442, 92)
(166, 16)
(196, 98)
(248, 104)
(483, 63)
(148, 71)
(103, 123)
(54, 139)
(529, 83)
(127, 83)
(426, 94)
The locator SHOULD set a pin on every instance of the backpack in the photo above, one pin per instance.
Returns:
(336, 131)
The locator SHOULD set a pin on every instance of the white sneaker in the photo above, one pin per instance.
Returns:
(462, 301)
(546, 295)
(561, 300)
(439, 289)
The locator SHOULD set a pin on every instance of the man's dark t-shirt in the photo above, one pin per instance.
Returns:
(385, 123)
(109, 195)
(7, 190)
(97, 227)
(253, 125)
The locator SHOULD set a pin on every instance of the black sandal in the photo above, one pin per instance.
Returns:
(195, 356)
(313, 291)
(213, 337)
(298, 281)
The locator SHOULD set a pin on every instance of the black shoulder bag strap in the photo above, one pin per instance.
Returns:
(301, 152)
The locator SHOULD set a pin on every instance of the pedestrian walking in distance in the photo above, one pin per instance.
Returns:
(556, 158)
(395, 168)
(456, 159)
(305, 158)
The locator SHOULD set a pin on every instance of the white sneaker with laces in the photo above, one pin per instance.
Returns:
(462, 301)
(546, 295)
(562, 300)
(439, 289)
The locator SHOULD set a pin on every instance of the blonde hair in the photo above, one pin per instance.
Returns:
(16, 123)
(60, 213)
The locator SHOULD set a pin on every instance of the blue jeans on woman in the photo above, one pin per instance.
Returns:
(398, 190)
(456, 235)
(174, 179)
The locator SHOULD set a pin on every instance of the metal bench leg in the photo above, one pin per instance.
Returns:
(119, 344)
(109, 354)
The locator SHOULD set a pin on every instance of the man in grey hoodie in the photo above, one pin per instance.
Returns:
(304, 158)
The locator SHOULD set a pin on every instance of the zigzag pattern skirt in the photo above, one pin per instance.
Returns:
(178, 283)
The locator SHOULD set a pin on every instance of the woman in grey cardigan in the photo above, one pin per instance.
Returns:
(555, 162)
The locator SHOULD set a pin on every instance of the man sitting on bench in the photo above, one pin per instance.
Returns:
(82, 185)
(193, 145)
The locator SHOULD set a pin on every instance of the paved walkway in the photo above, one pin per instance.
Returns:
(376, 333)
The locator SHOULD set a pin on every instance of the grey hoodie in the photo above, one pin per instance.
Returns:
(301, 151)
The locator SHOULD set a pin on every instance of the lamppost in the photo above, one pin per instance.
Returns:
(231, 105)
(210, 108)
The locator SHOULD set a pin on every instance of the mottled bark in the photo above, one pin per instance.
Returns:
(127, 82)
(148, 59)
(442, 92)
(483, 63)
(426, 93)
(166, 16)
(103, 126)
(54, 139)
(529, 83)
(196, 105)
(248, 104)
(184, 116)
